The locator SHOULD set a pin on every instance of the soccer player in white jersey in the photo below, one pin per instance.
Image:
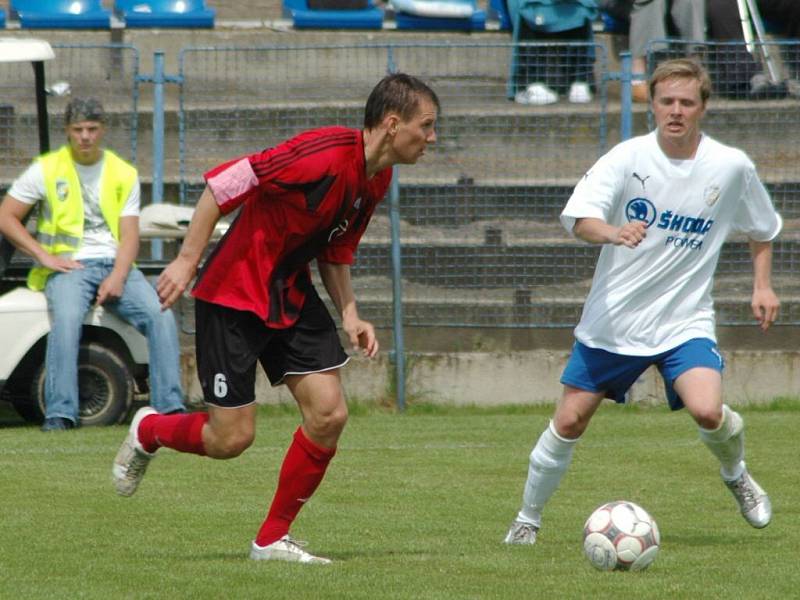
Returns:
(661, 205)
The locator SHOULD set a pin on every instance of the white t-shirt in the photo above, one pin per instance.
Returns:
(652, 298)
(97, 239)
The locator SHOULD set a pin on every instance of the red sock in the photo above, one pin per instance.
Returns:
(183, 433)
(302, 470)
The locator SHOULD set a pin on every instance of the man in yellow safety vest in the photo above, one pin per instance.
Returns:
(87, 238)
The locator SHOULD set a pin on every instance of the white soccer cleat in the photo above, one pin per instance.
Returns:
(752, 499)
(131, 460)
(286, 549)
(536, 93)
(521, 533)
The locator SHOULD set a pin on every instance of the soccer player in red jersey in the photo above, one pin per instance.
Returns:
(310, 197)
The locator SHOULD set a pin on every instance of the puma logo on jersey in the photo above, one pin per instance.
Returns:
(340, 229)
(641, 180)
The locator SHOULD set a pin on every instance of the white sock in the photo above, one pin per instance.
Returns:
(726, 442)
(549, 461)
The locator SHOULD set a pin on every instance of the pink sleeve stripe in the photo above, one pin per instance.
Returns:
(230, 183)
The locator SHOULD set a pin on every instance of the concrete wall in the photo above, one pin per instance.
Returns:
(524, 377)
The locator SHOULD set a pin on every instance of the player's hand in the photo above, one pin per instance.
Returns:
(173, 281)
(362, 337)
(110, 288)
(59, 263)
(630, 234)
(765, 305)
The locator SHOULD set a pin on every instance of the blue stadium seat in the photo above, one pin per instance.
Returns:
(2, 18)
(60, 14)
(165, 13)
(305, 17)
(450, 15)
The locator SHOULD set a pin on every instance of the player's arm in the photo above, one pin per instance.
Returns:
(127, 251)
(179, 273)
(12, 217)
(765, 303)
(336, 278)
(597, 231)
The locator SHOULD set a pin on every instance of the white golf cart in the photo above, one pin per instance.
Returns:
(113, 357)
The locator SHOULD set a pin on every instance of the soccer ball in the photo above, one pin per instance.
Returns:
(620, 536)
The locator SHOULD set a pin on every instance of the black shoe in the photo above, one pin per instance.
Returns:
(761, 88)
(57, 424)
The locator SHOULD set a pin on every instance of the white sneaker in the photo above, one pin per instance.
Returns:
(580, 93)
(131, 460)
(521, 533)
(536, 93)
(287, 549)
(752, 499)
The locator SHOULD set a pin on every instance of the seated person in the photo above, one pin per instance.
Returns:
(86, 241)
(542, 73)
(655, 20)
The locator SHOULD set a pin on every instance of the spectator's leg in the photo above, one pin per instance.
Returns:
(139, 306)
(68, 298)
(541, 63)
(579, 64)
(526, 59)
(689, 17)
(647, 23)
(722, 19)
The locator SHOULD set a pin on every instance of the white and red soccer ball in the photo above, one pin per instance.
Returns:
(621, 536)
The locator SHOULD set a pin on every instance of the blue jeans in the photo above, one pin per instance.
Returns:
(69, 297)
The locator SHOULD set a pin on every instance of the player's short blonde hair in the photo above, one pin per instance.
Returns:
(682, 68)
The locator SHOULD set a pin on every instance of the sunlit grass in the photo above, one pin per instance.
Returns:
(414, 506)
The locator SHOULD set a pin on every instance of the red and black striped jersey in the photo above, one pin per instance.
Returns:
(307, 198)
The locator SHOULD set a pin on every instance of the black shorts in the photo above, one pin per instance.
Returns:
(229, 342)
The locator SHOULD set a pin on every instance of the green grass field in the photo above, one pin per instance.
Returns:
(414, 506)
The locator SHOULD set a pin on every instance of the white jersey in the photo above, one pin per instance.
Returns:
(654, 297)
(97, 239)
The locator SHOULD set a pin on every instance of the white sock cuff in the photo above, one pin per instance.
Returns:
(730, 425)
(558, 437)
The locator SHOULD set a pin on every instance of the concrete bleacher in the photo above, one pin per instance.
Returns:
(490, 251)
(506, 225)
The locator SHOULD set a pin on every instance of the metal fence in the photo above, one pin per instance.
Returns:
(480, 244)
(477, 213)
(107, 72)
(480, 241)
(755, 106)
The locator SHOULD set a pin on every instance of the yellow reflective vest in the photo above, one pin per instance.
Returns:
(60, 222)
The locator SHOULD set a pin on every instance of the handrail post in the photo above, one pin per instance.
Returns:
(157, 245)
(397, 293)
(626, 97)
